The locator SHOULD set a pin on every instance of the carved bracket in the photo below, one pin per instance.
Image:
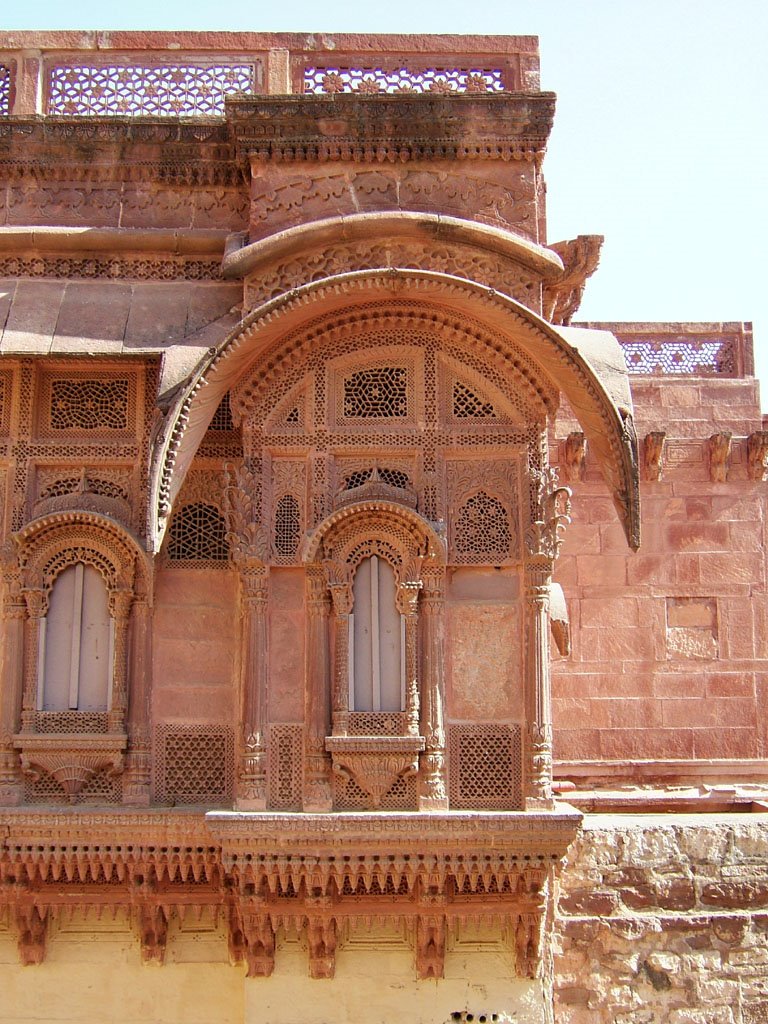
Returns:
(719, 456)
(32, 927)
(575, 456)
(430, 945)
(757, 454)
(71, 760)
(654, 454)
(152, 920)
(375, 762)
(322, 935)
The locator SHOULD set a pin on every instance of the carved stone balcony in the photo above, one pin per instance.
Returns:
(73, 760)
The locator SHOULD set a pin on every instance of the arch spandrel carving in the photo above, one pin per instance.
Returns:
(558, 364)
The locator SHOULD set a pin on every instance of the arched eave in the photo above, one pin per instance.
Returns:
(567, 366)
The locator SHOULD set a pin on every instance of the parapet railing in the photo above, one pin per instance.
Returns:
(189, 74)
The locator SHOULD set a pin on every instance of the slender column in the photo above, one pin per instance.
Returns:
(252, 782)
(11, 676)
(37, 608)
(538, 705)
(136, 781)
(407, 605)
(341, 594)
(120, 608)
(433, 794)
(317, 795)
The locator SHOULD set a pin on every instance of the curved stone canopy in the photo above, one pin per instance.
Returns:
(430, 227)
(586, 366)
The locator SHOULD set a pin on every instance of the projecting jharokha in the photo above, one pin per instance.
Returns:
(373, 637)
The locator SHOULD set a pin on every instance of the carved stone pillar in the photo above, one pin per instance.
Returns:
(317, 793)
(407, 605)
(136, 780)
(538, 705)
(37, 608)
(11, 677)
(120, 608)
(433, 794)
(341, 595)
(252, 780)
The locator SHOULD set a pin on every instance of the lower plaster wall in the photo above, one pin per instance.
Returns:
(93, 974)
(664, 920)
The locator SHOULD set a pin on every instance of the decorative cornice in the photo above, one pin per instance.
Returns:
(389, 128)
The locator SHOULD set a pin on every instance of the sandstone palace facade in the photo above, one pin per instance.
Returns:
(377, 643)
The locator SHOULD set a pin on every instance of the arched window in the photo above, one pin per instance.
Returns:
(76, 644)
(376, 640)
(482, 529)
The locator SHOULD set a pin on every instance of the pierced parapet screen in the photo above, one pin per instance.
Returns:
(171, 90)
(468, 405)
(71, 721)
(378, 393)
(485, 768)
(5, 90)
(287, 526)
(92, 405)
(194, 764)
(285, 768)
(374, 79)
(684, 356)
(198, 533)
(482, 529)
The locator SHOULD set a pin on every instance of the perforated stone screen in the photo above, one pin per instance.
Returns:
(687, 357)
(485, 769)
(285, 767)
(469, 405)
(198, 534)
(92, 405)
(482, 529)
(5, 89)
(156, 90)
(378, 393)
(373, 79)
(287, 525)
(194, 764)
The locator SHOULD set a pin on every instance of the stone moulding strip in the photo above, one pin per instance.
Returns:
(111, 253)
(240, 261)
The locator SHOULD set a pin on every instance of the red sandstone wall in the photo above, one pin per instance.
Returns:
(669, 644)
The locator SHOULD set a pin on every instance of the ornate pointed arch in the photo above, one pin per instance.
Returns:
(404, 537)
(50, 544)
(588, 367)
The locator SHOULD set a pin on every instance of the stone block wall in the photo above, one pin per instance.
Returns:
(664, 921)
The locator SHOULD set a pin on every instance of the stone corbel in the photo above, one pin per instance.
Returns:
(252, 936)
(430, 935)
(575, 456)
(322, 937)
(757, 455)
(32, 929)
(152, 921)
(544, 537)
(654, 454)
(719, 456)
(527, 943)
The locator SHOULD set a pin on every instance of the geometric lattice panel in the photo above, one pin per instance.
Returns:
(285, 774)
(198, 533)
(485, 767)
(177, 90)
(194, 764)
(373, 79)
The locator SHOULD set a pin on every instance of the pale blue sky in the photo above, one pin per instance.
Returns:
(660, 139)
